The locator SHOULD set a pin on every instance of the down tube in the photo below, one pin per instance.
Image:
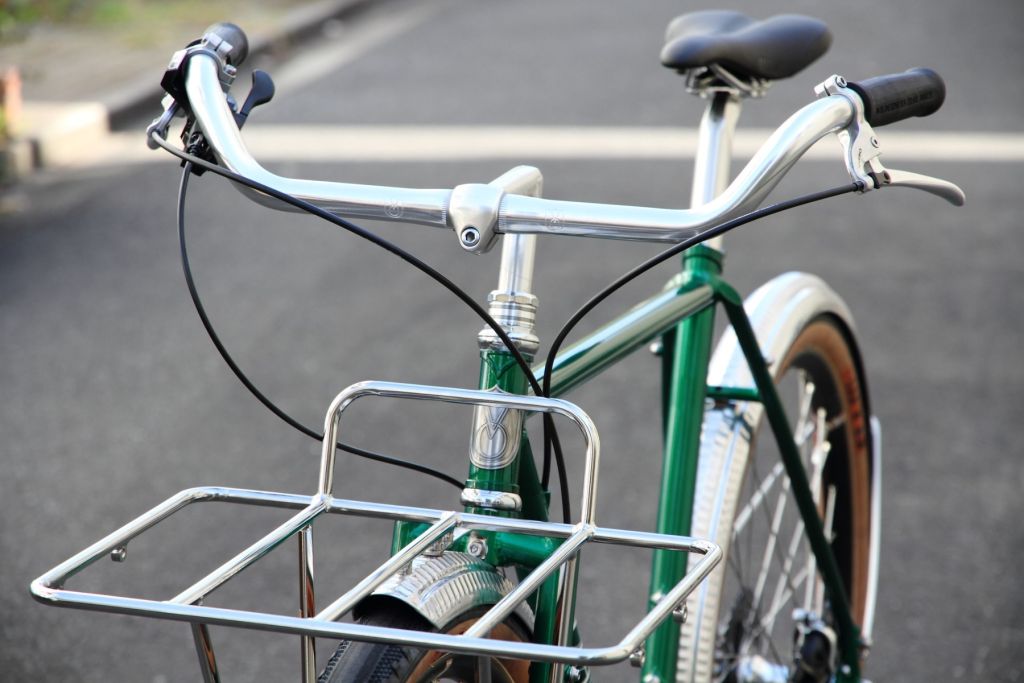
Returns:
(687, 376)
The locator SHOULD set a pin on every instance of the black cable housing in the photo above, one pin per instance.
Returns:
(549, 426)
(549, 361)
(552, 445)
(247, 383)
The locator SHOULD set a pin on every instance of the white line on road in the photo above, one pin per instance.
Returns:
(532, 143)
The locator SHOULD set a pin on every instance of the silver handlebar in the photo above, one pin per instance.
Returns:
(479, 212)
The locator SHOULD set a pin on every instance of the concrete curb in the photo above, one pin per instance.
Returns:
(143, 96)
(60, 133)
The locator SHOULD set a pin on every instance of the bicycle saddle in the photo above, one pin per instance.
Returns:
(774, 48)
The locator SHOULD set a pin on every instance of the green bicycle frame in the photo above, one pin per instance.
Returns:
(683, 316)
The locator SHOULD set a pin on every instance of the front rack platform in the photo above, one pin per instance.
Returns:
(445, 528)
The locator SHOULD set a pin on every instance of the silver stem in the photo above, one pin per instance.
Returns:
(513, 304)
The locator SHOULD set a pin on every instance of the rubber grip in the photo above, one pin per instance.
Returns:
(892, 98)
(235, 37)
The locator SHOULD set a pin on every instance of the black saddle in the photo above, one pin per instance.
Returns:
(774, 48)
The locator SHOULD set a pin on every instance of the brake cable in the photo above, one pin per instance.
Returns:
(407, 257)
(247, 383)
(721, 228)
(550, 436)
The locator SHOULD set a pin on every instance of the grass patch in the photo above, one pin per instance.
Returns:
(138, 22)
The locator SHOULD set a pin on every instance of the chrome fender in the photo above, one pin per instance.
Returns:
(778, 310)
(442, 587)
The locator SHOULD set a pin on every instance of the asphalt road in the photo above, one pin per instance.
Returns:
(114, 399)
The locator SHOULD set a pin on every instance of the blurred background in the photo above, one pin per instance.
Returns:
(113, 398)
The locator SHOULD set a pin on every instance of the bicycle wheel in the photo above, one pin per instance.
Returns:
(358, 662)
(742, 617)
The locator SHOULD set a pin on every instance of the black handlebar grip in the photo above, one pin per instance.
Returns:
(892, 98)
(233, 36)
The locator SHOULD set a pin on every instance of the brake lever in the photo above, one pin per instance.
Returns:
(162, 123)
(862, 151)
(936, 186)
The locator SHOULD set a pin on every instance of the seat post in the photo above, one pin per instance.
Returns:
(714, 150)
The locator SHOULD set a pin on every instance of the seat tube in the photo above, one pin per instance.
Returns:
(686, 355)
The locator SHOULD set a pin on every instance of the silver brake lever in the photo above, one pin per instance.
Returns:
(936, 186)
(162, 122)
(862, 152)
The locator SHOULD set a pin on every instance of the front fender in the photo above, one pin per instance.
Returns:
(778, 311)
(443, 587)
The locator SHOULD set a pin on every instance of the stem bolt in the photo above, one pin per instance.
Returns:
(469, 236)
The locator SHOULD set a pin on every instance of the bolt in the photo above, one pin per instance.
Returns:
(840, 81)
(636, 658)
(477, 546)
(575, 674)
(119, 554)
(874, 141)
(680, 613)
(657, 347)
(469, 236)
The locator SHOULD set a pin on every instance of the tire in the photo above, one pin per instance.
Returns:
(358, 662)
(744, 609)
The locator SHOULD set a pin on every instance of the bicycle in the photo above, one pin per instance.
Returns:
(440, 606)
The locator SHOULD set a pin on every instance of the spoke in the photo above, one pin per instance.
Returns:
(830, 509)
(804, 412)
(782, 595)
(769, 618)
(819, 457)
(769, 550)
(837, 421)
(743, 518)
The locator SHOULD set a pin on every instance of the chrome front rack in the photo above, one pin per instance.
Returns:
(445, 527)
